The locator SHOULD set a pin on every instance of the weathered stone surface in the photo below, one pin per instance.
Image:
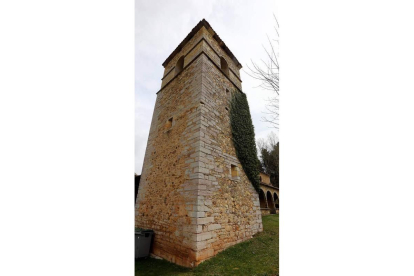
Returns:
(187, 194)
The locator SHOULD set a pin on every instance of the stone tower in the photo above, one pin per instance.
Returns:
(193, 192)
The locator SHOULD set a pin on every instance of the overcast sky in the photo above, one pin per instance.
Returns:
(161, 25)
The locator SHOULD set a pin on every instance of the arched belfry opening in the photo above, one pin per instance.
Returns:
(179, 65)
(262, 199)
(224, 66)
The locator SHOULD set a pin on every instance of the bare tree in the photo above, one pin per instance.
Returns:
(267, 144)
(269, 157)
(267, 72)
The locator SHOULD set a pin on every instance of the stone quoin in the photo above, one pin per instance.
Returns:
(193, 191)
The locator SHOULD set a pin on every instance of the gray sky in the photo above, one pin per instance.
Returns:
(161, 25)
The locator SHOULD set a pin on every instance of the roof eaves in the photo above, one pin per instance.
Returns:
(202, 23)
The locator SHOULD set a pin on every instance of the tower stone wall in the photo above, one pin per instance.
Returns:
(188, 194)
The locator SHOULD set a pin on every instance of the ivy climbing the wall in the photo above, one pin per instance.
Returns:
(243, 137)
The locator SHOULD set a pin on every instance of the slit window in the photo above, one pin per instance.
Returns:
(169, 123)
(234, 172)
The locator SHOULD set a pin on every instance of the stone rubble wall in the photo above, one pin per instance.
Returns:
(221, 52)
(187, 194)
(229, 206)
(212, 49)
(216, 59)
(187, 47)
(167, 186)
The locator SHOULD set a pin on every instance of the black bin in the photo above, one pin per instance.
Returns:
(143, 241)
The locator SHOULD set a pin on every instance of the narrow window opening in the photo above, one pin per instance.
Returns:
(179, 65)
(224, 66)
(234, 172)
(168, 125)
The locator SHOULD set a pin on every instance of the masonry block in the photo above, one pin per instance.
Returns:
(186, 195)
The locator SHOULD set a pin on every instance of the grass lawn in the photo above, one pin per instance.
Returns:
(257, 256)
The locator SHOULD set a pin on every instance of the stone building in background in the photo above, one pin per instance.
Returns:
(193, 191)
(268, 196)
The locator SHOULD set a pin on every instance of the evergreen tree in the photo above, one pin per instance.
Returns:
(269, 158)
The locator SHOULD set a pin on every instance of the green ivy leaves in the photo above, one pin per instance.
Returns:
(243, 137)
